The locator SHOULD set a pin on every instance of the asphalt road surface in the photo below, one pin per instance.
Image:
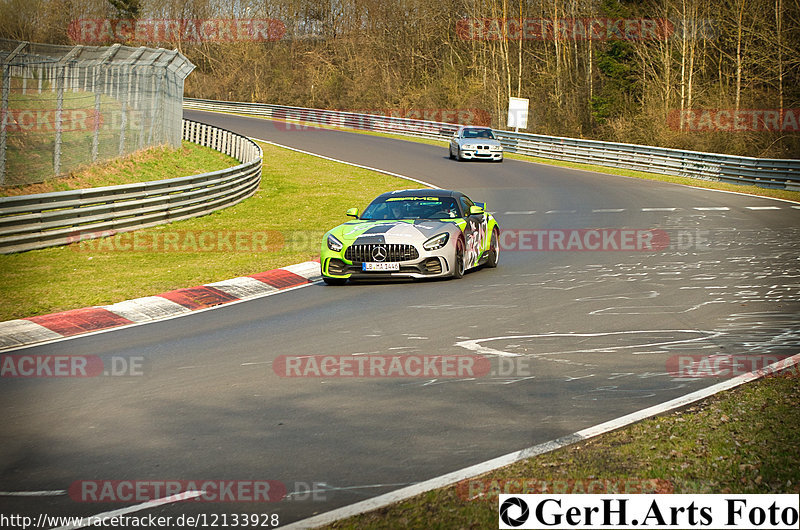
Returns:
(574, 338)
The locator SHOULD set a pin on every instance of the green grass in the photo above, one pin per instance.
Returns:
(697, 183)
(300, 198)
(746, 440)
(155, 163)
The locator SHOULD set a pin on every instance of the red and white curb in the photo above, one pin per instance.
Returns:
(43, 328)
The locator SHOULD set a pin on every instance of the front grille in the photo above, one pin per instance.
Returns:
(361, 253)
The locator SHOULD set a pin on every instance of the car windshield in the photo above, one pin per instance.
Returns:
(478, 133)
(395, 208)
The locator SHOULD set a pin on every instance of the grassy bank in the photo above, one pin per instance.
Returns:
(299, 199)
(741, 441)
(155, 163)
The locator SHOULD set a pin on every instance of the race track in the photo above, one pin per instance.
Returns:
(595, 330)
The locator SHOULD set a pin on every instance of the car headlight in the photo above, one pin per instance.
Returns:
(496, 148)
(436, 242)
(470, 146)
(334, 244)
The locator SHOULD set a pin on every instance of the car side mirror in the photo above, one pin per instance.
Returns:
(475, 210)
(352, 212)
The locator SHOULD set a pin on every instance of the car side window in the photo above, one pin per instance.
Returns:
(465, 205)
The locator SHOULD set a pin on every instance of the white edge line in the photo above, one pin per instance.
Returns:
(448, 479)
(136, 324)
(385, 172)
(88, 521)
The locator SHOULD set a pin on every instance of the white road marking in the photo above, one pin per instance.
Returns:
(762, 207)
(652, 310)
(475, 345)
(325, 487)
(526, 212)
(609, 210)
(659, 209)
(711, 208)
(449, 479)
(561, 211)
(87, 521)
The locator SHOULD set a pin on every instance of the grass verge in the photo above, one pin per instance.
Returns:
(155, 163)
(686, 181)
(741, 441)
(299, 199)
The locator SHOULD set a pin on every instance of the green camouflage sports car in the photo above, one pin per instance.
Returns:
(425, 233)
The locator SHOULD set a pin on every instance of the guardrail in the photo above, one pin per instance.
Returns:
(43, 220)
(764, 172)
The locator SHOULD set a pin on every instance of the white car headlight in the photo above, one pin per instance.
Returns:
(334, 244)
(470, 146)
(436, 242)
(496, 148)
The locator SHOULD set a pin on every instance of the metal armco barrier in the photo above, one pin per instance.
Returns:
(764, 172)
(43, 220)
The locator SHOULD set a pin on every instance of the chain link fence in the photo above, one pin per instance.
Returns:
(69, 106)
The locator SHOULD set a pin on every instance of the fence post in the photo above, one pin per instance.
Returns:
(4, 119)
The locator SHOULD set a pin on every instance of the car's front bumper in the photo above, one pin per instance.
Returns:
(429, 264)
(481, 154)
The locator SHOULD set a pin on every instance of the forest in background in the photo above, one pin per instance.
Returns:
(621, 83)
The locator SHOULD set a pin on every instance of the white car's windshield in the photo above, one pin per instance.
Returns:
(478, 133)
(396, 208)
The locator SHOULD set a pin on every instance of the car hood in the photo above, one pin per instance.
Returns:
(392, 232)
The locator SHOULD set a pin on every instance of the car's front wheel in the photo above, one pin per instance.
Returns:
(458, 266)
(334, 281)
(452, 156)
(494, 249)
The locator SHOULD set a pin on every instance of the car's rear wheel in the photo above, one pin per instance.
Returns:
(334, 281)
(458, 266)
(494, 249)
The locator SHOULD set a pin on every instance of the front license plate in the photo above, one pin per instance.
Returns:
(388, 266)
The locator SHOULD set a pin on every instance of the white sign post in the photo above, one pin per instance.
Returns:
(518, 113)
